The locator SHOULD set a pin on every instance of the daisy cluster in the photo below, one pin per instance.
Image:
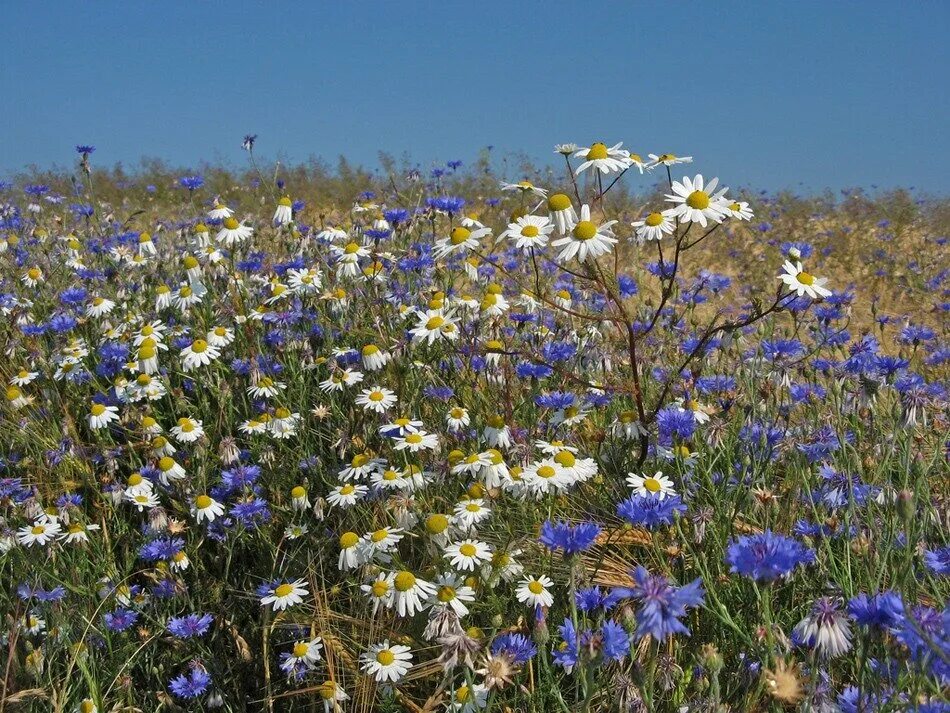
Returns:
(432, 449)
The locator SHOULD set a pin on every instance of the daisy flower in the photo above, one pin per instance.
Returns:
(586, 239)
(374, 358)
(266, 388)
(458, 240)
(524, 187)
(381, 541)
(469, 513)
(380, 591)
(738, 209)
(803, 283)
(667, 159)
(433, 325)
(188, 430)
(285, 212)
(219, 211)
(561, 212)
(657, 485)
(305, 654)
(544, 476)
(695, 200)
(284, 423)
(24, 377)
(456, 419)
(451, 592)
(39, 533)
(468, 699)
(417, 441)
(376, 399)
(534, 591)
(346, 495)
(77, 532)
(349, 551)
(204, 507)
(233, 233)
(332, 695)
(497, 433)
(220, 337)
(99, 306)
(529, 231)
(410, 593)
(466, 555)
(100, 415)
(602, 158)
(655, 226)
(198, 353)
(637, 161)
(285, 594)
(386, 662)
(143, 501)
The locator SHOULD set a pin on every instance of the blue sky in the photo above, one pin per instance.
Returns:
(767, 94)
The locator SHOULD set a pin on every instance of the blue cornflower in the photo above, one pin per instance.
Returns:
(882, 610)
(913, 334)
(650, 511)
(56, 594)
(161, 548)
(526, 370)
(926, 634)
(440, 393)
(516, 647)
(192, 183)
(395, 216)
(447, 204)
(185, 627)
(85, 149)
(782, 349)
(558, 351)
(616, 640)
(627, 286)
(566, 653)
(555, 400)
(191, 684)
(663, 604)
(248, 143)
(570, 539)
(938, 561)
(767, 556)
(73, 296)
(120, 619)
(715, 384)
(674, 422)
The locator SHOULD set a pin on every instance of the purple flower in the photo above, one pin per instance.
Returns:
(185, 627)
(568, 538)
(121, 619)
(767, 556)
(663, 604)
(650, 511)
(516, 647)
(191, 684)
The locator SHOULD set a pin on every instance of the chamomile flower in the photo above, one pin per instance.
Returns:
(381, 541)
(23, 377)
(198, 353)
(535, 591)
(586, 239)
(99, 307)
(410, 593)
(32, 277)
(738, 209)
(332, 695)
(350, 551)
(188, 430)
(561, 212)
(459, 240)
(376, 399)
(655, 226)
(305, 654)
(667, 159)
(468, 699)
(529, 231)
(524, 187)
(603, 158)
(544, 477)
(434, 325)
(266, 388)
(219, 211)
(77, 532)
(803, 283)
(283, 424)
(380, 591)
(657, 485)
(457, 418)
(284, 214)
(233, 232)
(220, 337)
(100, 415)
(41, 533)
(142, 500)
(451, 592)
(346, 495)
(387, 663)
(469, 513)
(417, 441)
(347, 258)
(695, 200)
(204, 507)
(284, 595)
(169, 470)
(468, 554)
(374, 358)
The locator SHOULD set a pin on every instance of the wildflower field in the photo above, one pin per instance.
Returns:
(607, 437)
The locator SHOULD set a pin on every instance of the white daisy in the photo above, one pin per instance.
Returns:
(803, 283)
(586, 239)
(286, 594)
(695, 200)
(529, 231)
(387, 662)
(204, 507)
(376, 399)
(655, 226)
(657, 485)
(466, 555)
(535, 591)
(602, 158)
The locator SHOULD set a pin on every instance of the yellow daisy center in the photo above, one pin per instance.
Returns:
(467, 550)
(559, 202)
(379, 535)
(597, 152)
(385, 657)
(699, 200)
(283, 590)
(436, 524)
(300, 649)
(805, 278)
(230, 223)
(199, 346)
(97, 409)
(404, 581)
(546, 471)
(459, 235)
(435, 322)
(654, 219)
(446, 594)
(584, 230)
(298, 491)
(652, 484)
(565, 458)
(380, 588)
(348, 540)
(202, 502)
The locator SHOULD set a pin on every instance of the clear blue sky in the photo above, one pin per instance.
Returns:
(769, 94)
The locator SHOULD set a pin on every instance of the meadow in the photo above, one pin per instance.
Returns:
(599, 436)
